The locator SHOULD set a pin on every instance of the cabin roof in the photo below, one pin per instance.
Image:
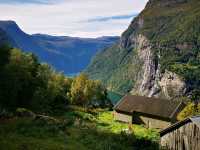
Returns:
(194, 119)
(151, 106)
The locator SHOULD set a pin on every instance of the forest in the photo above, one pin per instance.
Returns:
(27, 83)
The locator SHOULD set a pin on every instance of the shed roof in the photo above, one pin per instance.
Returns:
(194, 119)
(152, 106)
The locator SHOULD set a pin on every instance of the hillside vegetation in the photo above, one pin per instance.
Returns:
(27, 83)
(173, 38)
(76, 129)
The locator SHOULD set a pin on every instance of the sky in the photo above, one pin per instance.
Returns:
(78, 18)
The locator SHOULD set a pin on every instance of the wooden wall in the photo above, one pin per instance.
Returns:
(154, 123)
(138, 119)
(187, 137)
(122, 117)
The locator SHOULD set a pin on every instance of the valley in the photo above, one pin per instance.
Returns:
(139, 91)
(157, 55)
(69, 55)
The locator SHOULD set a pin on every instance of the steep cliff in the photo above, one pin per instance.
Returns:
(158, 55)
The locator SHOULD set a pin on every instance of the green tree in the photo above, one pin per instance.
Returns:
(4, 59)
(50, 95)
(26, 83)
(77, 90)
(87, 92)
(18, 84)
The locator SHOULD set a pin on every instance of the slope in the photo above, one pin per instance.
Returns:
(158, 55)
(67, 54)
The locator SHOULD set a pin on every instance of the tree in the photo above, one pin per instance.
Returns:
(26, 83)
(77, 90)
(5, 51)
(87, 92)
(4, 59)
(50, 95)
(18, 84)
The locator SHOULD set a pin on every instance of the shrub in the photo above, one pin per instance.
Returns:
(190, 110)
(4, 114)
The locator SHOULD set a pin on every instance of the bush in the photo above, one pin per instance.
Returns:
(190, 110)
(5, 114)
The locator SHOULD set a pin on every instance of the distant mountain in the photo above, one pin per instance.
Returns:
(4, 38)
(158, 55)
(67, 54)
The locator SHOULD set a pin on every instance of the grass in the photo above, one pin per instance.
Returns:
(103, 120)
(93, 130)
(117, 127)
(25, 134)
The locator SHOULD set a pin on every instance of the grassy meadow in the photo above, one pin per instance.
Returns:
(76, 129)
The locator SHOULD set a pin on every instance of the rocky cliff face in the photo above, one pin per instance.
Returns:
(150, 81)
(157, 53)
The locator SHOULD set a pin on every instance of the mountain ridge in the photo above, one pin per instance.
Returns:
(64, 53)
(157, 55)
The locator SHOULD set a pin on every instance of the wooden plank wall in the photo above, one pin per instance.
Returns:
(186, 137)
(122, 117)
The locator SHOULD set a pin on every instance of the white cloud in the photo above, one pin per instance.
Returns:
(69, 17)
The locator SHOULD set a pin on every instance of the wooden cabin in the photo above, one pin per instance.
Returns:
(151, 112)
(184, 135)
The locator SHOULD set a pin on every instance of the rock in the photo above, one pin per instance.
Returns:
(172, 85)
(46, 119)
(149, 72)
(150, 81)
(23, 112)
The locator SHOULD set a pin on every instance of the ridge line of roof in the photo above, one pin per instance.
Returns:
(119, 102)
(175, 110)
(171, 127)
(150, 98)
(177, 124)
(196, 116)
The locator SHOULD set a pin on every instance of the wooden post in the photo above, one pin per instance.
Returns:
(130, 128)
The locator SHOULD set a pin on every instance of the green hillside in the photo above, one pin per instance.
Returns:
(172, 29)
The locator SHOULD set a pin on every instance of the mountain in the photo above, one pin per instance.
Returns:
(4, 38)
(158, 55)
(67, 54)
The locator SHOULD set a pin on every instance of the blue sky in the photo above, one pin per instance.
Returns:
(83, 18)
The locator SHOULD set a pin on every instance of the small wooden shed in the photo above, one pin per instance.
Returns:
(152, 112)
(184, 135)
